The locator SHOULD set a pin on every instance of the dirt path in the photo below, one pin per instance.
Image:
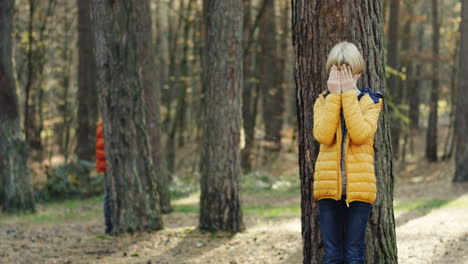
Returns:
(432, 227)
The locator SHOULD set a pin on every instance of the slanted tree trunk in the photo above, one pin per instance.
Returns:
(220, 207)
(431, 136)
(16, 194)
(87, 90)
(272, 94)
(461, 117)
(134, 199)
(313, 37)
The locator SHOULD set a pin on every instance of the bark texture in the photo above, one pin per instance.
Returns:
(317, 27)
(134, 199)
(220, 207)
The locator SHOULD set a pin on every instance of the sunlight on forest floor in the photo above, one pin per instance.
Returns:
(431, 217)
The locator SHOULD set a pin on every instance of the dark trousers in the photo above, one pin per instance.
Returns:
(107, 208)
(343, 230)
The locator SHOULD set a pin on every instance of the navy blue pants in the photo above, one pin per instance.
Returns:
(107, 209)
(343, 230)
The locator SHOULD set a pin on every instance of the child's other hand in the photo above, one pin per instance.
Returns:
(333, 82)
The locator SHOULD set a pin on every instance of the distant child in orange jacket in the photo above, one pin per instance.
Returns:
(101, 167)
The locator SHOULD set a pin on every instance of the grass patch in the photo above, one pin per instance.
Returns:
(251, 210)
(429, 204)
(57, 212)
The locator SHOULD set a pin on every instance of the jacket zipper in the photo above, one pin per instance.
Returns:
(346, 162)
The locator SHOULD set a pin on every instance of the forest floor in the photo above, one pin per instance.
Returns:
(431, 215)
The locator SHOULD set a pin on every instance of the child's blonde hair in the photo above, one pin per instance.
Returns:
(346, 53)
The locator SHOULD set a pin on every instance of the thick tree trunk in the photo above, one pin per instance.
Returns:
(87, 90)
(152, 101)
(431, 136)
(317, 26)
(269, 77)
(220, 207)
(121, 74)
(461, 117)
(16, 193)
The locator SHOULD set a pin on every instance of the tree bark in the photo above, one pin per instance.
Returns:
(461, 118)
(317, 26)
(87, 90)
(16, 193)
(220, 208)
(121, 75)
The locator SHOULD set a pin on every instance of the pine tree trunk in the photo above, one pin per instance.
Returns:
(269, 76)
(393, 82)
(317, 26)
(220, 207)
(16, 193)
(461, 118)
(134, 199)
(431, 136)
(87, 90)
(249, 92)
(152, 101)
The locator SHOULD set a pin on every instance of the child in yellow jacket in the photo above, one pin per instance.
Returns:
(345, 122)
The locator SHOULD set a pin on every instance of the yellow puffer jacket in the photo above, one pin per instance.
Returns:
(361, 114)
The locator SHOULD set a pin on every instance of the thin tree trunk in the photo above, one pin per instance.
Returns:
(220, 207)
(122, 77)
(431, 136)
(16, 193)
(313, 37)
(393, 82)
(461, 121)
(87, 90)
(272, 94)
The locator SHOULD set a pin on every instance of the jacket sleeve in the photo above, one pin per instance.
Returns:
(361, 126)
(326, 118)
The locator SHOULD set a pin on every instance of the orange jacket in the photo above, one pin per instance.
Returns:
(100, 153)
(361, 113)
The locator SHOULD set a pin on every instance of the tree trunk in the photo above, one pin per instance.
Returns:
(87, 90)
(272, 94)
(122, 77)
(414, 91)
(220, 207)
(317, 26)
(431, 136)
(393, 82)
(461, 117)
(152, 101)
(16, 193)
(249, 95)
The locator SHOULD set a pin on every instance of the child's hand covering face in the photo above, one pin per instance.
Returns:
(333, 83)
